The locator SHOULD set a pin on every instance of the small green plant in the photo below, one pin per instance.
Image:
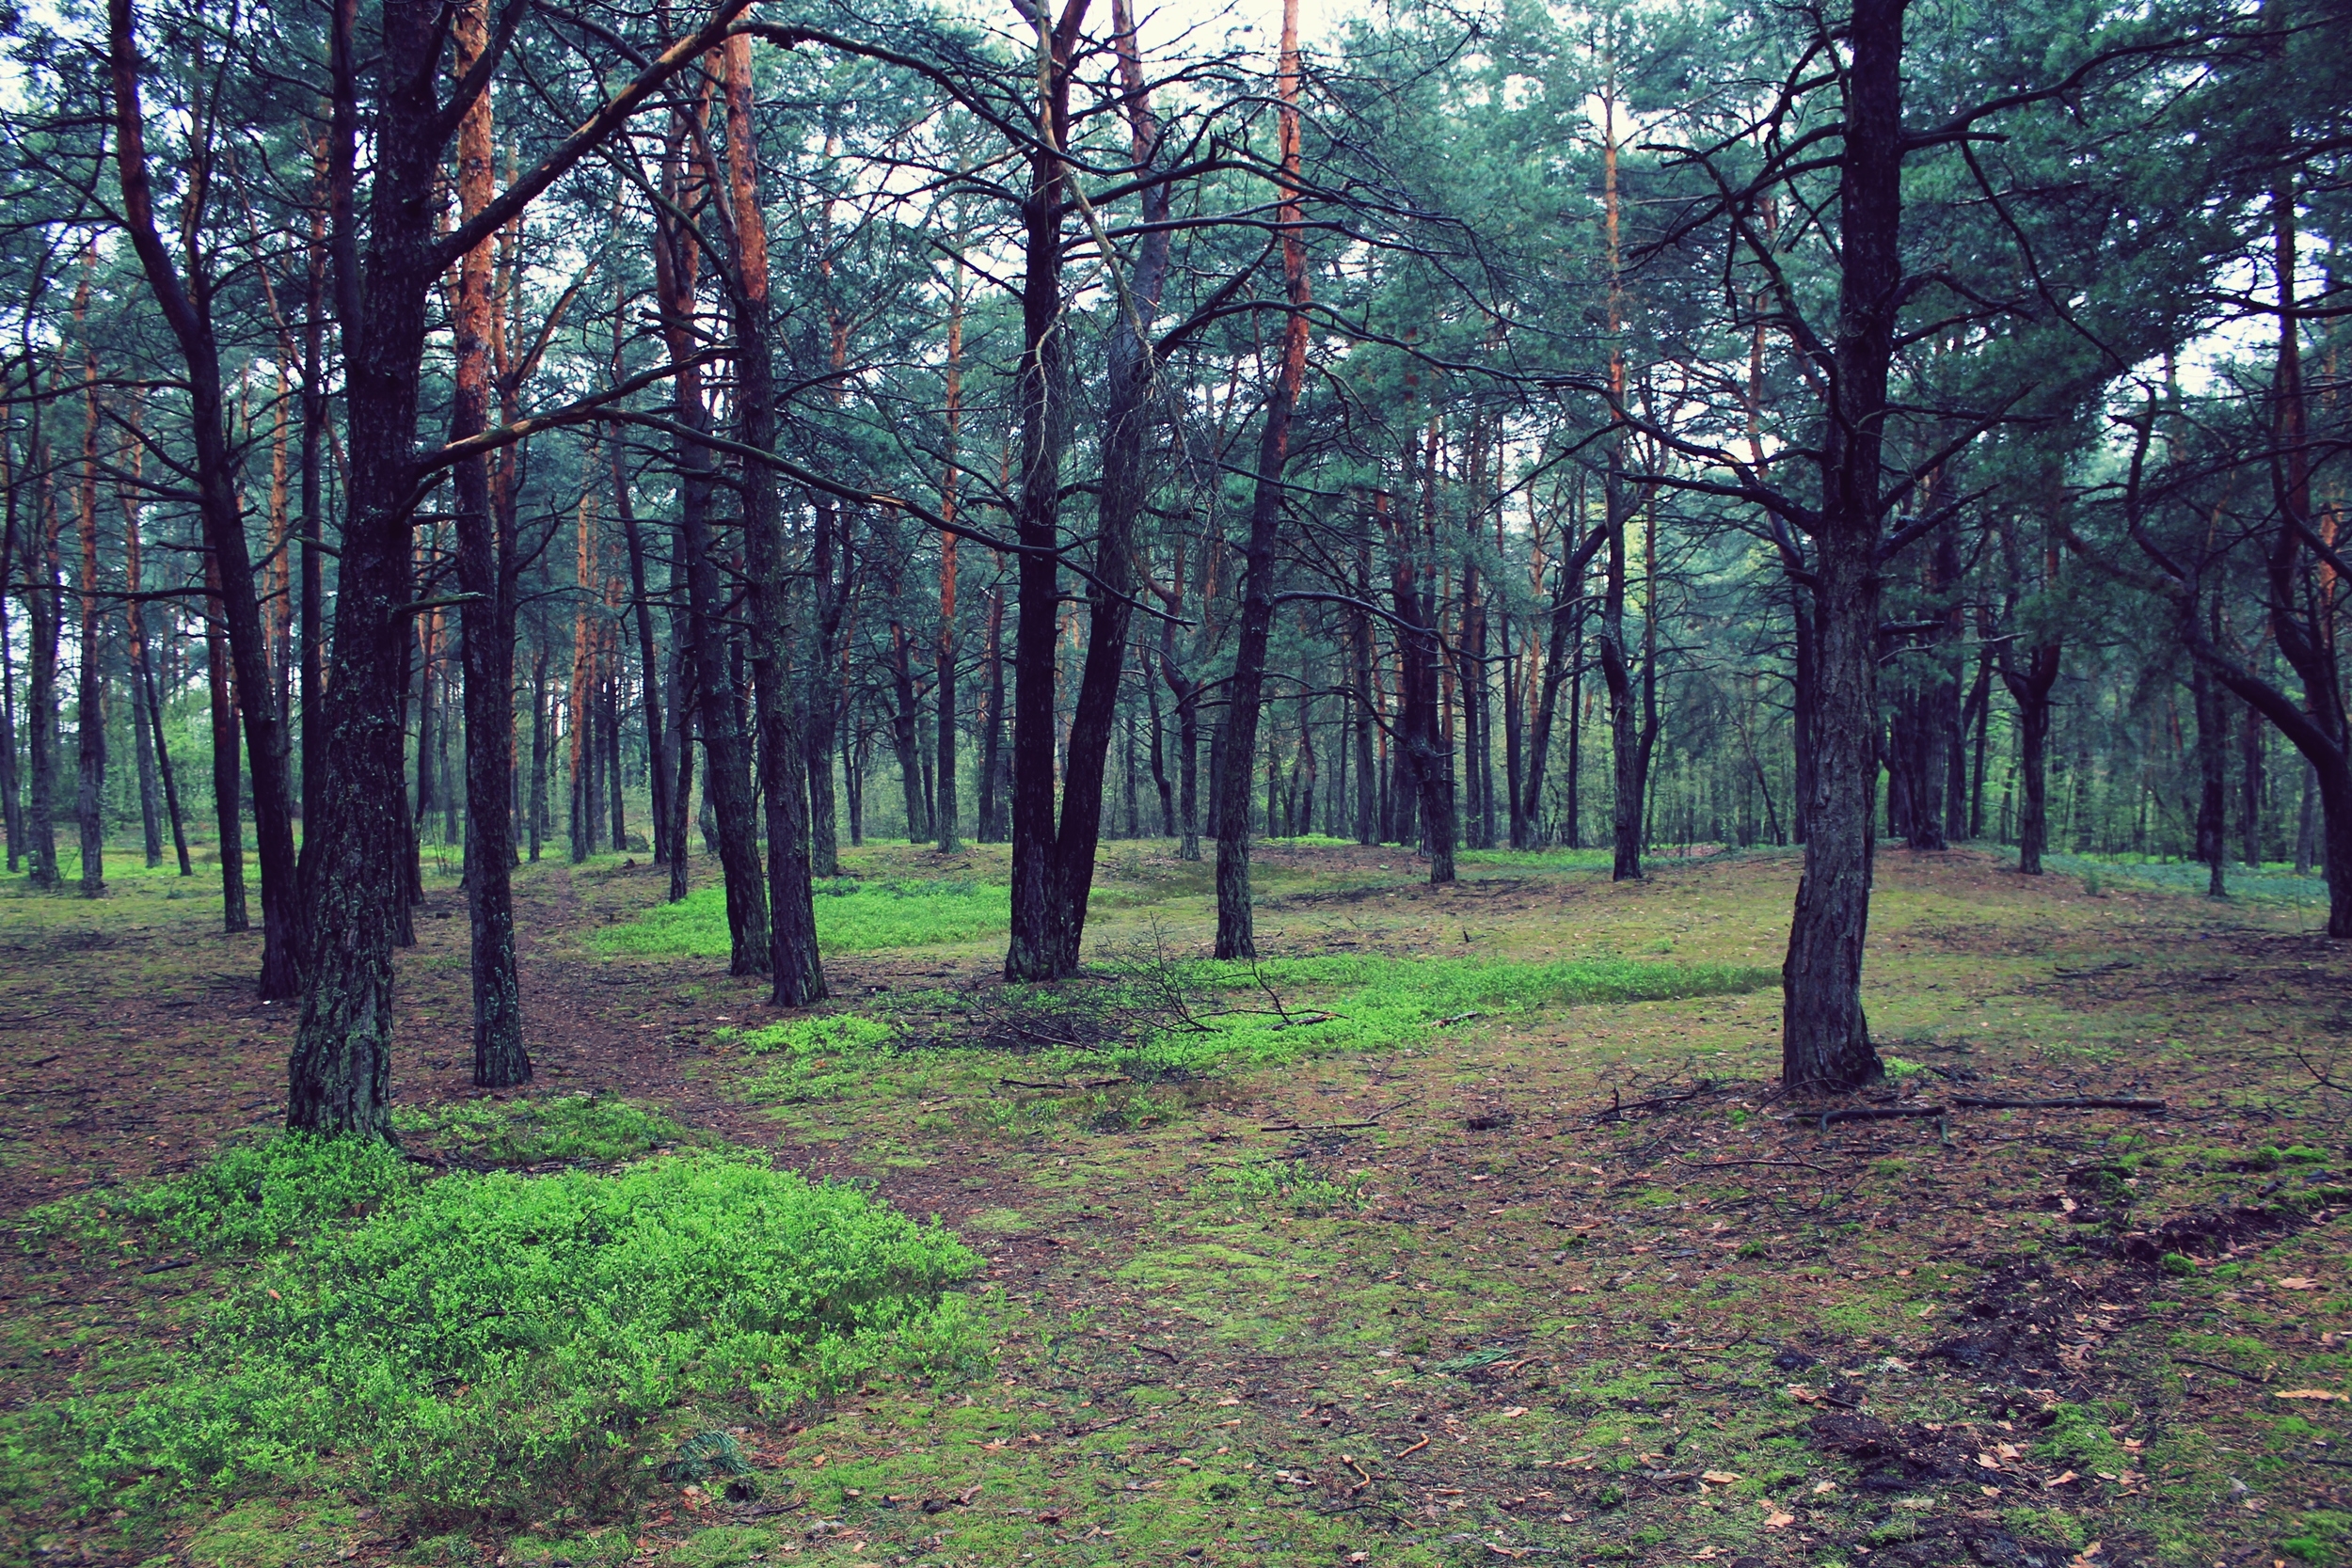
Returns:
(1287, 1184)
(2094, 886)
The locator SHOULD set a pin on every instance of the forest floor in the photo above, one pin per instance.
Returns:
(1534, 1278)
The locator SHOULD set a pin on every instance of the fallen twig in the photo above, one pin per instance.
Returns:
(1617, 1108)
(1415, 1449)
(2069, 1102)
(1066, 1087)
(1374, 1120)
(1459, 1017)
(2217, 1367)
(1877, 1113)
(1726, 1165)
(1173, 1359)
(1349, 1459)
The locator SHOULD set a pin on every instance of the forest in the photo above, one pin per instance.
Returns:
(816, 779)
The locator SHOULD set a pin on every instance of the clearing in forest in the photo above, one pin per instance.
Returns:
(1468, 1228)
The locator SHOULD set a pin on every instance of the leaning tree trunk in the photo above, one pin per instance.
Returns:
(1825, 1041)
(1125, 489)
(282, 906)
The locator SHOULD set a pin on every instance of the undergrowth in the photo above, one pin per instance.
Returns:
(1291, 1185)
(247, 1196)
(582, 1128)
(853, 916)
(1143, 1022)
(489, 1345)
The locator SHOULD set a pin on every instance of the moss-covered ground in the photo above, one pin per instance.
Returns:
(1468, 1227)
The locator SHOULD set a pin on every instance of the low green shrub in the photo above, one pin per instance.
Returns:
(248, 1195)
(585, 1128)
(485, 1344)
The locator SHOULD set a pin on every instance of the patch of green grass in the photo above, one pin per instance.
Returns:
(851, 917)
(1287, 1184)
(1283, 1008)
(248, 1196)
(582, 1128)
(486, 1343)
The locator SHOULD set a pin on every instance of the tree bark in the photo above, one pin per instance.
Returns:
(1235, 936)
(798, 978)
(90, 699)
(724, 777)
(1825, 1042)
(485, 575)
(1042, 397)
(226, 775)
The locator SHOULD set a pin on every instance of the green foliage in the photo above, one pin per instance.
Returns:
(822, 1058)
(583, 1128)
(804, 1037)
(486, 1344)
(248, 1195)
(851, 917)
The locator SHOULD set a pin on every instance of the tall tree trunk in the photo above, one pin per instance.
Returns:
(90, 699)
(2213, 767)
(486, 576)
(992, 824)
(1159, 759)
(535, 806)
(724, 777)
(1042, 398)
(950, 833)
(44, 605)
(1126, 488)
(1825, 1039)
(904, 716)
(1625, 719)
(1235, 936)
(798, 978)
(660, 745)
(2250, 811)
(682, 754)
(226, 775)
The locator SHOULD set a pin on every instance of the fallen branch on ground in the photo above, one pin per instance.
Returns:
(2069, 1102)
(1617, 1108)
(1081, 1083)
(1878, 1113)
(2217, 1367)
